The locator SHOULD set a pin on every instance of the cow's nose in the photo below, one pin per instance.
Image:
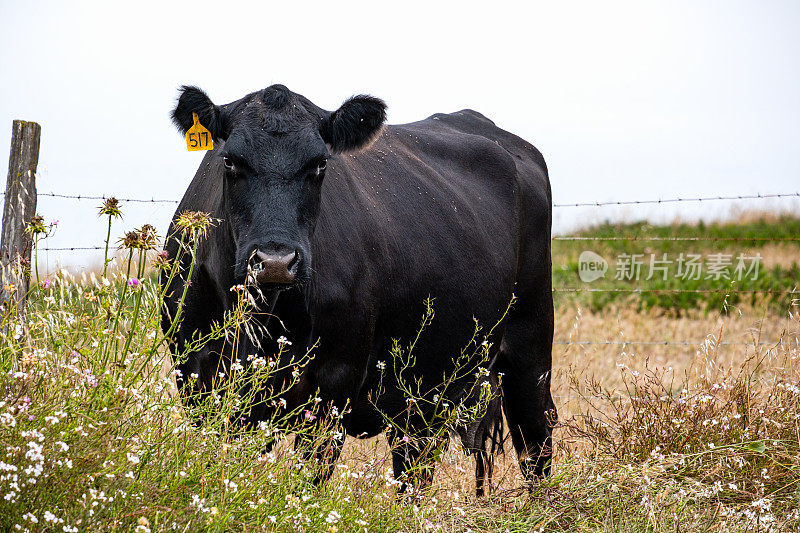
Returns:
(275, 267)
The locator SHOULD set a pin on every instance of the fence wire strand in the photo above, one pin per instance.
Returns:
(632, 239)
(71, 248)
(675, 200)
(708, 343)
(577, 204)
(680, 291)
(84, 197)
(678, 239)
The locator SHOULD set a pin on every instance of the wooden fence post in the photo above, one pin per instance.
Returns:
(19, 208)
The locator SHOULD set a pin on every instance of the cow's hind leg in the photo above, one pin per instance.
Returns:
(525, 363)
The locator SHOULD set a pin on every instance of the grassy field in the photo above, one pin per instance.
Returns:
(702, 434)
(773, 238)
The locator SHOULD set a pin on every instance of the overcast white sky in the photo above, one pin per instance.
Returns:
(627, 100)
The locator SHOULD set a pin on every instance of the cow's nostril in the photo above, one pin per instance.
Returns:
(293, 262)
(275, 267)
(259, 257)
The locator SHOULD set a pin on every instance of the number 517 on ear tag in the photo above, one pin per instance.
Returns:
(198, 137)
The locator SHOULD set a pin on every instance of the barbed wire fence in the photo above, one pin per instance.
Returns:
(569, 238)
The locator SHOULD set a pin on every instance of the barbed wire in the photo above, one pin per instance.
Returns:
(103, 197)
(758, 196)
(688, 291)
(633, 238)
(71, 248)
(668, 343)
(678, 239)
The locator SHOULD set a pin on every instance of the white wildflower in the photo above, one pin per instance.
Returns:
(284, 341)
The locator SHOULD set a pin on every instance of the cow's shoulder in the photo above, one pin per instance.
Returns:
(471, 122)
(531, 169)
(528, 158)
(465, 121)
(468, 119)
(459, 132)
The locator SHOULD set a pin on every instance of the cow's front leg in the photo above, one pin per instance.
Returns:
(413, 460)
(336, 384)
(322, 447)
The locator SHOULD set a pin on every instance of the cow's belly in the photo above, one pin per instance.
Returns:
(394, 311)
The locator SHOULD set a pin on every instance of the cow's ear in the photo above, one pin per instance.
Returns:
(355, 124)
(193, 100)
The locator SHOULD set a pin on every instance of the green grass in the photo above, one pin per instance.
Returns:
(770, 286)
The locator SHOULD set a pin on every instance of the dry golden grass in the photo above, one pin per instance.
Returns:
(702, 349)
(776, 254)
(728, 338)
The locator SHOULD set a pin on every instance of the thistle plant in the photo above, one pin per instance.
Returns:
(192, 226)
(38, 230)
(111, 210)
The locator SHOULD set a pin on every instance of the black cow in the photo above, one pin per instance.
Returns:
(347, 227)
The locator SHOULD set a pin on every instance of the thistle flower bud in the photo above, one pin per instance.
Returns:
(162, 260)
(130, 240)
(36, 225)
(144, 238)
(148, 237)
(111, 208)
(195, 223)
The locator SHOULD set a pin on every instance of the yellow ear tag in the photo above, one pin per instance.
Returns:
(198, 137)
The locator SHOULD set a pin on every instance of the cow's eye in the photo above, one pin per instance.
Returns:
(226, 161)
(318, 172)
(321, 166)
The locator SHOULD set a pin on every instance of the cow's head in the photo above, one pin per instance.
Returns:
(272, 151)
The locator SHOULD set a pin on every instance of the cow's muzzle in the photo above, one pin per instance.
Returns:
(275, 267)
